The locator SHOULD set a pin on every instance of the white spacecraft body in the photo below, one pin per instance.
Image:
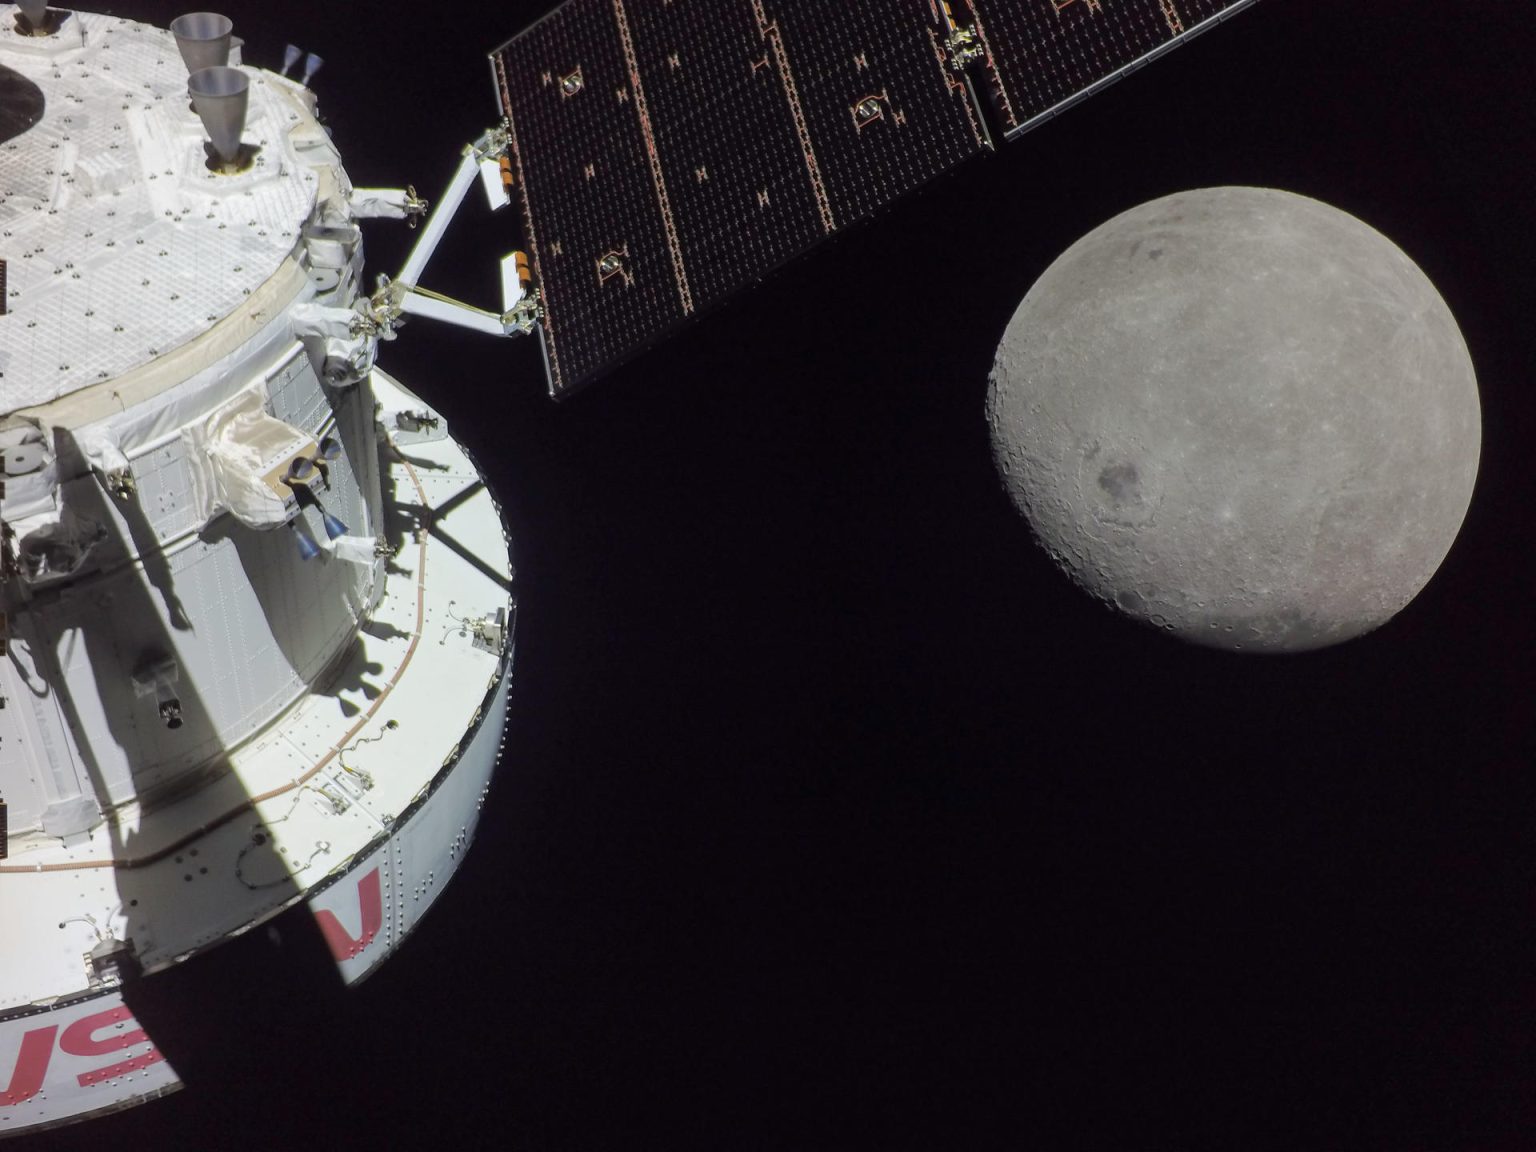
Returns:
(256, 603)
(257, 611)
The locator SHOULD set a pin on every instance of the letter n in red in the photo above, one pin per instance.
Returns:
(371, 903)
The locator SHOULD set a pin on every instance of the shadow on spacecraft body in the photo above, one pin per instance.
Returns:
(259, 653)
(213, 728)
(229, 729)
(203, 717)
(103, 647)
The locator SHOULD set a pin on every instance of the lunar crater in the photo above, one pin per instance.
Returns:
(1284, 455)
(1116, 490)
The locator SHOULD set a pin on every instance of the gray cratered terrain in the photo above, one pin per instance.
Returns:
(1239, 415)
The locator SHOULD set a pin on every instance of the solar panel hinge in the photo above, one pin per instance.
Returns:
(962, 47)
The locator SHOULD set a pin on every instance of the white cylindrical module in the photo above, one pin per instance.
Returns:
(154, 396)
(218, 566)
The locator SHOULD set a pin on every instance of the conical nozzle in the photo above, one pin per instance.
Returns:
(308, 549)
(222, 96)
(204, 39)
(36, 11)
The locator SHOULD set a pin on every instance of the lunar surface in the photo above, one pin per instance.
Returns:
(1241, 416)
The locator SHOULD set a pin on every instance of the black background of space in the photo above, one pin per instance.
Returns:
(833, 816)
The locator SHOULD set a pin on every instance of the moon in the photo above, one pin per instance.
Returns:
(1239, 415)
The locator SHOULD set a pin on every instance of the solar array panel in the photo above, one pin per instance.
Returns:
(1043, 55)
(669, 152)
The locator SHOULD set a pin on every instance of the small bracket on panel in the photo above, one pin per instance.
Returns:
(335, 801)
(486, 633)
(415, 206)
(962, 46)
(868, 110)
(610, 266)
(525, 314)
(416, 421)
(490, 633)
(403, 427)
(965, 56)
(111, 962)
(159, 679)
(964, 49)
(121, 483)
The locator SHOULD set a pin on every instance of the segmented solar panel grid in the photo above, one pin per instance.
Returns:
(885, 60)
(587, 191)
(736, 172)
(1046, 53)
(669, 153)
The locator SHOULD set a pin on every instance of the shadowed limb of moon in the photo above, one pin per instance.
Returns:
(1239, 415)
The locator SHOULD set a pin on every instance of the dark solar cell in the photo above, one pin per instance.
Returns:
(1047, 53)
(736, 174)
(670, 152)
(597, 241)
(885, 115)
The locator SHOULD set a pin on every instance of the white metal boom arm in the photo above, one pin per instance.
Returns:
(404, 295)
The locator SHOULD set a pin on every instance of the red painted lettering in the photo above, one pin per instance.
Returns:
(113, 1071)
(31, 1066)
(371, 903)
(80, 1039)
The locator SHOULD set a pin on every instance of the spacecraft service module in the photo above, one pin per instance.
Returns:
(257, 614)
(256, 606)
